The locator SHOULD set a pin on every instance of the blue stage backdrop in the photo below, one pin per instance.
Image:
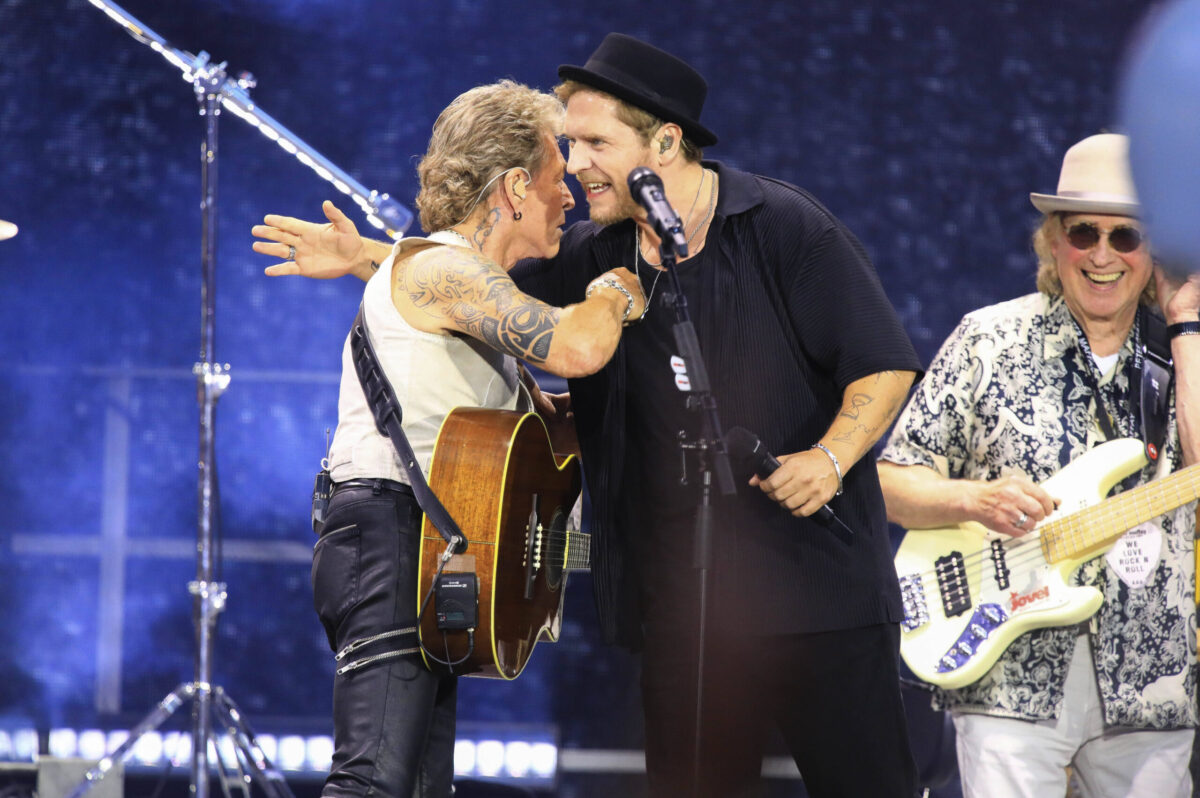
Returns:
(923, 125)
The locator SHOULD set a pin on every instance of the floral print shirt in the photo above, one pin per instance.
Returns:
(1009, 392)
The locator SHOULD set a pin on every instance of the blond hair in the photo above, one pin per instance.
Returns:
(483, 133)
(644, 123)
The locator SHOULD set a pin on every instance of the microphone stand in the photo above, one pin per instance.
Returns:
(214, 91)
(712, 457)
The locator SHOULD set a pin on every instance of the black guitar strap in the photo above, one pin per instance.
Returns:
(1150, 382)
(385, 407)
(1157, 372)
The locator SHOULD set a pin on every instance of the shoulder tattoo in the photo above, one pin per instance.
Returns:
(478, 298)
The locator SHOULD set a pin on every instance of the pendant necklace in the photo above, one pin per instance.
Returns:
(637, 237)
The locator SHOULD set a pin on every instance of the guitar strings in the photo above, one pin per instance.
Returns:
(1073, 526)
(1073, 532)
(560, 542)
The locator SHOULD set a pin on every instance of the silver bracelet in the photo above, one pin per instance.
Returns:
(837, 467)
(611, 282)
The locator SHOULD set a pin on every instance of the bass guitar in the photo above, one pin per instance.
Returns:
(497, 475)
(969, 592)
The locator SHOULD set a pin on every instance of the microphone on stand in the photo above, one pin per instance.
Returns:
(746, 448)
(647, 190)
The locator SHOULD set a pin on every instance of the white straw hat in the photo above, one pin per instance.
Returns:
(1095, 178)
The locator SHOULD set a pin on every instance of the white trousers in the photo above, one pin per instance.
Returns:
(1010, 758)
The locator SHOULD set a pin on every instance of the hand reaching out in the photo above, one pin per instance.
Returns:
(323, 251)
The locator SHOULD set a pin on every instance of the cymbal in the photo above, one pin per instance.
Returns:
(7, 229)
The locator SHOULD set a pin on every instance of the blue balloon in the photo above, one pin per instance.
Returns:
(1160, 108)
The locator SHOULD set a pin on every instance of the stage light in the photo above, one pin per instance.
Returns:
(489, 758)
(63, 743)
(25, 744)
(291, 752)
(498, 752)
(464, 757)
(320, 752)
(517, 759)
(544, 760)
(116, 738)
(223, 747)
(148, 750)
(91, 744)
(178, 747)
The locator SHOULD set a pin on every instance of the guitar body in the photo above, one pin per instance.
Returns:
(951, 639)
(496, 474)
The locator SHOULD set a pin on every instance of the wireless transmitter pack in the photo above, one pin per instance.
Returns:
(456, 601)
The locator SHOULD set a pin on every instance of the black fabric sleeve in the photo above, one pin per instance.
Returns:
(834, 298)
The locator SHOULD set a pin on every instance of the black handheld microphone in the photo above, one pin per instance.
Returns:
(746, 448)
(647, 191)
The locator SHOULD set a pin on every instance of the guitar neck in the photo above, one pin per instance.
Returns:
(1093, 529)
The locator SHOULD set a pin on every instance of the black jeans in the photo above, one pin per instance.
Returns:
(393, 719)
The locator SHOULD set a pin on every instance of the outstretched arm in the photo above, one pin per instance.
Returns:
(323, 251)
(807, 480)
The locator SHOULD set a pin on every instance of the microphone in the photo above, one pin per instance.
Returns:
(746, 447)
(647, 191)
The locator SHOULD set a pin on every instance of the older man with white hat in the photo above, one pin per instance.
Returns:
(1019, 391)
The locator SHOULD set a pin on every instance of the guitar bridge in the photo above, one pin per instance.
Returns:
(912, 596)
(533, 549)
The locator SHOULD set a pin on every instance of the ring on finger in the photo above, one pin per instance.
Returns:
(291, 253)
(1020, 523)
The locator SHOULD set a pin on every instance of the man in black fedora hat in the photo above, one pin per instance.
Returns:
(802, 348)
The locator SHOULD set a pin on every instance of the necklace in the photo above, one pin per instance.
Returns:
(459, 236)
(637, 239)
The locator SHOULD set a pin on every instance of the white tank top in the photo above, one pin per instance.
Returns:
(431, 374)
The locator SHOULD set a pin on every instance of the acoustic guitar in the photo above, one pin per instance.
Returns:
(511, 495)
(968, 593)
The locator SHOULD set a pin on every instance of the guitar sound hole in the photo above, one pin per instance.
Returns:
(554, 542)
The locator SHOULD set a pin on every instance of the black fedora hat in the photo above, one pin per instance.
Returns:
(648, 78)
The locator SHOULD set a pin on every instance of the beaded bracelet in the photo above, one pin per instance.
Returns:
(611, 282)
(837, 467)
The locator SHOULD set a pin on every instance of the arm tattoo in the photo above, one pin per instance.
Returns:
(848, 435)
(857, 402)
(478, 298)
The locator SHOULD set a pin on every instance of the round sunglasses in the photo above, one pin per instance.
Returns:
(1122, 238)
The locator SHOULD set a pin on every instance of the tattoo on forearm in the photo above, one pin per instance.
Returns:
(848, 436)
(857, 402)
(481, 300)
(865, 428)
